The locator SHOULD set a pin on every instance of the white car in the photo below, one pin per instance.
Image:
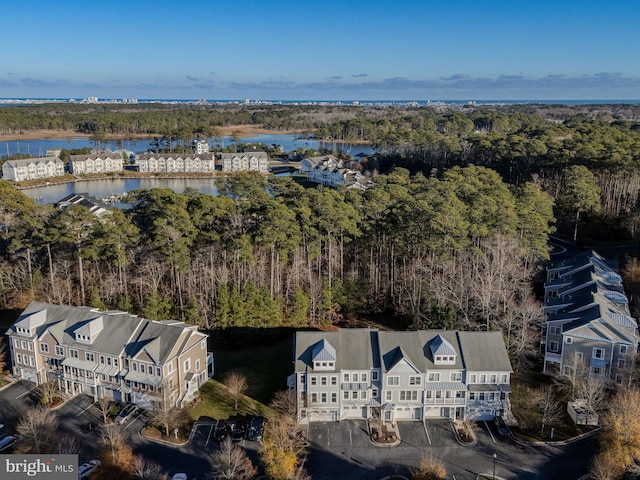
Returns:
(88, 468)
(179, 476)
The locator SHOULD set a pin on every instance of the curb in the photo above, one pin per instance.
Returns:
(383, 445)
(464, 444)
(170, 444)
(559, 443)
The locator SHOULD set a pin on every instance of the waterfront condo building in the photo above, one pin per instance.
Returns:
(359, 373)
(96, 163)
(32, 169)
(245, 162)
(165, 163)
(109, 354)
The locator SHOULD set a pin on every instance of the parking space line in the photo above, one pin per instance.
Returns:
(427, 432)
(489, 430)
(133, 421)
(209, 436)
(25, 393)
(90, 405)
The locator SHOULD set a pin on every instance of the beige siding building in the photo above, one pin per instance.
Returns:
(96, 163)
(150, 162)
(110, 354)
(245, 162)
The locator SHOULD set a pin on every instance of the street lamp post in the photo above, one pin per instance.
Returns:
(495, 455)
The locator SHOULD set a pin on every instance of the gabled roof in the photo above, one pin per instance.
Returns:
(397, 357)
(440, 346)
(323, 352)
(355, 349)
(26, 161)
(32, 319)
(91, 327)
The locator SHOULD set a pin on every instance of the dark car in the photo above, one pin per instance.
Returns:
(237, 431)
(503, 429)
(220, 432)
(255, 430)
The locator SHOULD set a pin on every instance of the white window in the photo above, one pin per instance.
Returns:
(598, 352)
(389, 396)
(434, 377)
(197, 365)
(393, 381)
(554, 330)
(354, 377)
(408, 395)
(302, 379)
(323, 381)
(415, 380)
(142, 368)
(363, 394)
(170, 383)
(621, 363)
(18, 358)
(473, 378)
(334, 380)
(345, 395)
(568, 340)
(134, 365)
(159, 372)
(314, 380)
(504, 378)
(323, 397)
(59, 350)
(623, 349)
(374, 375)
(554, 346)
(374, 393)
(494, 378)
(44, 347)
(314, 398)
(17, 343)
(354, 395)
(30, 346)
(456, 376)
(203, 344)
(32, 361)
(483, 378)
(169, 367)
(363, 377)
(73, 353)
(345, 377)
(187, 364)
(89, 356)
(24, 345)
(579, 355)
(334, 397)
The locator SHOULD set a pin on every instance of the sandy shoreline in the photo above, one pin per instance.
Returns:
(243, 131)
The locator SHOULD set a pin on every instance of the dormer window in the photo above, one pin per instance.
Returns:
(83, 338)
(323, 356)
(23, 331)
(442, 351)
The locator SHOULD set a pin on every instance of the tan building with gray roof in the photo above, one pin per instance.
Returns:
(109, 354)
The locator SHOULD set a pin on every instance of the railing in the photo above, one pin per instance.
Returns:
(444, 401)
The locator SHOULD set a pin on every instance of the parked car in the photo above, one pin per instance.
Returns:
(126, 412)
(6, 442)
(255, 430)
(237, 431)
(220, 431)
(503, 429)
(179, 476)
(88, 468)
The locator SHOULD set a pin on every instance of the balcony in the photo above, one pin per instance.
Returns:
(444, 401)
(553, 357)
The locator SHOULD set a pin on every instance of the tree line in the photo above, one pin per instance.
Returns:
(454, 251)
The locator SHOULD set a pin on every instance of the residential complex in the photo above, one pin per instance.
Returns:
(358, 373)
(245, 162)
(95, 205)
(587, 319)
(96, 163)
(109, 354)
(330, 171)
(151, 162)
(32, 169)
(200, 146)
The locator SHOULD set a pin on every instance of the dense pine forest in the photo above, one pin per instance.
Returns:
(450, 237)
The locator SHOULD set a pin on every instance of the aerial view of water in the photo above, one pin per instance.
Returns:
(288, 142)
(107, 187)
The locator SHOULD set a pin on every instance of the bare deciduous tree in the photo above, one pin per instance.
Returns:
(549, 407)
(168, 417)
(231, 462)
(145, 469)
(237, 385)
(38, 431)
(105, 404)
(68, 445)
(602, 468)
(49, 392)
(112, 436)
(3, 353)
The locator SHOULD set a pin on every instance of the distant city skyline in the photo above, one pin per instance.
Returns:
(329, 50)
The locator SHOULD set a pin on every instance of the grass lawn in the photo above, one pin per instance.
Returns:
(266, 367)
(217, 403)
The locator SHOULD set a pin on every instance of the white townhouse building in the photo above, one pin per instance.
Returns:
(588, 320)
(106, 162)
(200, 146)
(245, 162)
(109, 354)
(166, 163)
(358, 373)
(330, 171)
(32, 169)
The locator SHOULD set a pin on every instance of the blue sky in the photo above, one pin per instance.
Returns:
(333, 50)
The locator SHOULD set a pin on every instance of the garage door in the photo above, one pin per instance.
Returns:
(405, 413)
(323, 416)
